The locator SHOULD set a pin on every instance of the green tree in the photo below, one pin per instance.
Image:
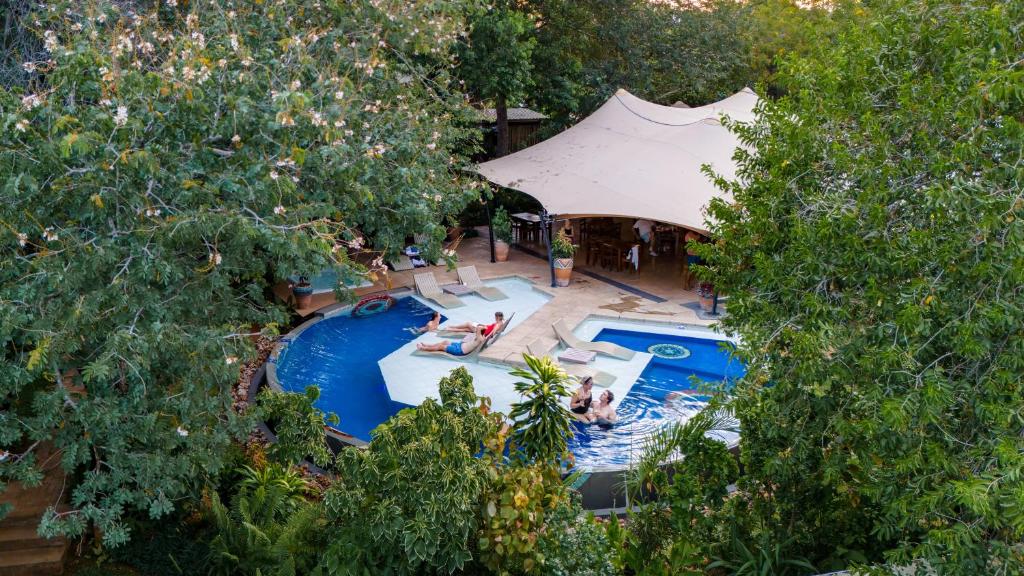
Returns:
(495, 62)
(689, 472)
(662, 51)
(779, 29)
(874, 258)
(171, 163)
(540, 423)
(408, 503)
(298, 424)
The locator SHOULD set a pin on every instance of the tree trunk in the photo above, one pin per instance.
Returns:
(501, 111)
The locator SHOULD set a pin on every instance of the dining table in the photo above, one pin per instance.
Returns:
(528, 227)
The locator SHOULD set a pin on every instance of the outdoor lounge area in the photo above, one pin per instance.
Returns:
(517, 288)
(544, 321)
(630, 271)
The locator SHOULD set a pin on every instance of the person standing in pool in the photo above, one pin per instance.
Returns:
(603, 413)
(461, 348)
(579, 404)
(430, 326)
(499, 323)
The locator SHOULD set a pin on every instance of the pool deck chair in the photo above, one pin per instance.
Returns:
(472, 356)
(445, 333)
(403, 262)
(427, 286)
(607, 348)
(469, 277)
(601, 379)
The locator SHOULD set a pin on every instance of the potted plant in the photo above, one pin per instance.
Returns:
(562, 250)
(706, 293)
(502, 227)
(303, 292)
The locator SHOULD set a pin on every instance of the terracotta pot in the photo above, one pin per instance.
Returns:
(707, 303)
(500, 250)
(563, 271)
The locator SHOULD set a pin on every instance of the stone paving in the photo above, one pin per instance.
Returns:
(584, 297)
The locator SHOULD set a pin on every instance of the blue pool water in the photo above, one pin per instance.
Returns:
(340, 356)
(646, 408)
(327, 280)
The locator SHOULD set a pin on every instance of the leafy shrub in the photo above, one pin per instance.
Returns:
(175, 546)
(502, 225)
(872, 251)
(409, 502)
(266, 532)
(298, 424)
(514, 514)
(456, 390)
(575, 544)
(561, 246)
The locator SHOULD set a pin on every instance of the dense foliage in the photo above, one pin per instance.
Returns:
(298, 425)
(162, 169)
(164, 164)
(662, 51)
(494, 62)
(874, 258)
(540, 422)
(408, 503)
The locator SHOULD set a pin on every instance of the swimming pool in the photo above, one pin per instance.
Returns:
(366, 370)
(340, 356)
(645, 407)
(328, 280)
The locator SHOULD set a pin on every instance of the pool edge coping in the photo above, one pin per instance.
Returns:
(337, 308)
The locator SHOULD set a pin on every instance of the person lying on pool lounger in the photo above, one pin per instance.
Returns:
(499, 322)
(429, 326)
(456, 348)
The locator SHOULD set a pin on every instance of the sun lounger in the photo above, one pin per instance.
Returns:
(607, 348)
(427, 286)
(601, 379)
(470, 278)
(444, 333)
(403, 262)
(472, 356)
(576, 356)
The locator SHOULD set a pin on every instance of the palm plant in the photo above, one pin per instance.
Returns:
(762, 559)
(540, 424)
(287, 478)
(266, 532)
(673, 442)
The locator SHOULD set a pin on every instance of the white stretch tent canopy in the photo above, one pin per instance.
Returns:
(631, 158)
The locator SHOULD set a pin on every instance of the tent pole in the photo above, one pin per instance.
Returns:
(545, 223)
(490, 226)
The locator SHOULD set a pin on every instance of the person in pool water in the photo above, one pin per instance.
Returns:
(579, 404)
(603, 414)
(429, 326)
(456, 348)
(499, 323)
